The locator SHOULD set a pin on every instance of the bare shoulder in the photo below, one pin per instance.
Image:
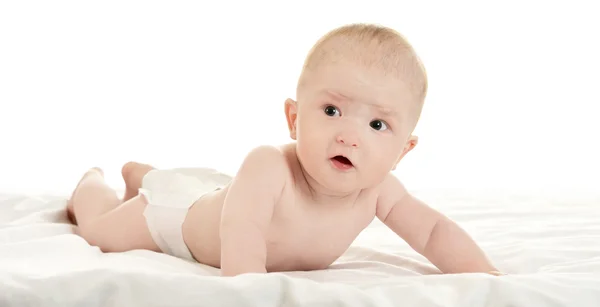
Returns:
(264, 166)
(391, 192)
(266, 154)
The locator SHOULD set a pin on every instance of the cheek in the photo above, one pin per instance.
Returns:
(384, 154)
(305, 131)
(309, 138)
(311, 129)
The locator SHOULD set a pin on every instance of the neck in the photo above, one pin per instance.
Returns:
(321, 194)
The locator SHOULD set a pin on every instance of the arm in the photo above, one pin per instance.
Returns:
(430, 233)
(247, 211)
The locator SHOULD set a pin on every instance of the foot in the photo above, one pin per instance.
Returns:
(133, 174)
(94, 171)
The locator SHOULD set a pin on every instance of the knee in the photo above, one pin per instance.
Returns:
(96, 234)
(91, 233)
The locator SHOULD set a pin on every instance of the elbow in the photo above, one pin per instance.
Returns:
(429, 242)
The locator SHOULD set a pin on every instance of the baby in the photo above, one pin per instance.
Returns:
(297, 206)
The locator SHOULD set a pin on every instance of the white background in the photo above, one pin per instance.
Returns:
(513, 95)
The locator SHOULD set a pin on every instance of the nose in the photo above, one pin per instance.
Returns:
(348, 139)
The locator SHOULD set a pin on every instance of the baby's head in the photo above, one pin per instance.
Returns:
(359, 98)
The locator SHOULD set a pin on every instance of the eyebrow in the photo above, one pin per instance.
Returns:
(386, 111)
(335, 96)
(339, 97)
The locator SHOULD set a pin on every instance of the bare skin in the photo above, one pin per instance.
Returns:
(133, 174)
(296, 225)
(326, 227)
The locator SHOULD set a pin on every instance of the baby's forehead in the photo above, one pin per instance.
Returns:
(348, 83)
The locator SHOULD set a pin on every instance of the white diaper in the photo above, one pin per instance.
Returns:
(170, 194)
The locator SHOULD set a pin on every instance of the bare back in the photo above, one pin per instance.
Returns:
(303, 234)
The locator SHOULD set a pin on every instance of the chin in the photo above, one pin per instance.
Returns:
(340, 187)
(341, 184)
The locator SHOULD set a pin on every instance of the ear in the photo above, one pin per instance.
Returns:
(413, 140)
(291, 113)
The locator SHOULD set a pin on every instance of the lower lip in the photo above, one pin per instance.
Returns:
(341, 166)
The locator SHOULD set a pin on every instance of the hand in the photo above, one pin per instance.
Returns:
(496, 273)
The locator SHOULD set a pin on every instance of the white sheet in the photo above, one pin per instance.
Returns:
(550, 247)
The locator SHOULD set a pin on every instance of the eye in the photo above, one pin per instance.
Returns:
(378, 125)
(331, 111)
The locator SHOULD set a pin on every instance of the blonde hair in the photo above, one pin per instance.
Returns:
(372, 46)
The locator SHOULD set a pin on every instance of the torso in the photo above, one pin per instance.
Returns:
(303, 235)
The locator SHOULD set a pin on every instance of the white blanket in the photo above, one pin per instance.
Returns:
(549, 246)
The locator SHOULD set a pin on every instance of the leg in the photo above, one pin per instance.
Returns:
(105, 222)
(133, 173)
(107, 203)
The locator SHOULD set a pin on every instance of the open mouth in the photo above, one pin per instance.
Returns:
(341, 162)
